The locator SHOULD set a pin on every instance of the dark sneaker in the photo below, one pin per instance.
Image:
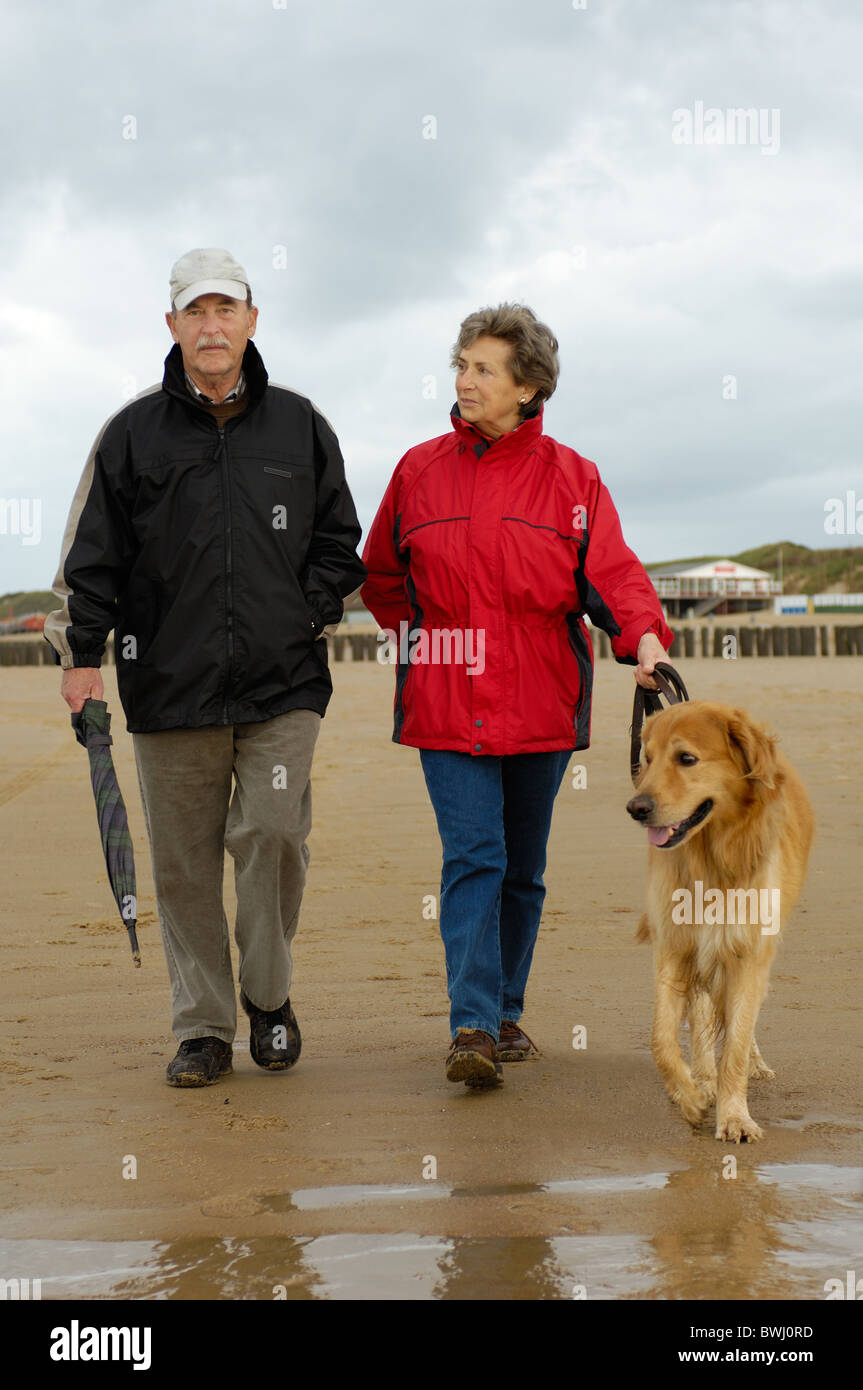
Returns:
(200, 1062)
(472, 1060)
(513, 1045)
(274, 1037)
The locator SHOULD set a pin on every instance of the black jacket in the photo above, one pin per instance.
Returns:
(216, 555)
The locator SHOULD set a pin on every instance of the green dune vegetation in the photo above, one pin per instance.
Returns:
(803, 571)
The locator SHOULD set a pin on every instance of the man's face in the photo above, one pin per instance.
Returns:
(212, 332)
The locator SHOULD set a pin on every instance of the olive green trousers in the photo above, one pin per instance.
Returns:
(245, 788)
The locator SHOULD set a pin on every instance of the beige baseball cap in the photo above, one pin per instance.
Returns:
(207, 270)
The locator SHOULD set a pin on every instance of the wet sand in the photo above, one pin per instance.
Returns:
(577, 1173)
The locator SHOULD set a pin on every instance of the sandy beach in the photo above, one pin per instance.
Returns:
(361, 1173)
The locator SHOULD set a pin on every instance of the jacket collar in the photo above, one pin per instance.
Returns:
(527, 433)
(174, 380)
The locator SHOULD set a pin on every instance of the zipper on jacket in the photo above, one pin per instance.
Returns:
(222, 453)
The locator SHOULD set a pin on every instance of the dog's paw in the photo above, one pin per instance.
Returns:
(737, 1129)
(693, 1103)
(759, 1071)
(707, 1085)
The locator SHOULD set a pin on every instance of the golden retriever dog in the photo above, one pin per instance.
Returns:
(729, 826)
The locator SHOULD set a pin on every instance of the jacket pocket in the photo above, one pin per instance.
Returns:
(281, 472)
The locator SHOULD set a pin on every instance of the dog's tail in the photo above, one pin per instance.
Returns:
(642, 934)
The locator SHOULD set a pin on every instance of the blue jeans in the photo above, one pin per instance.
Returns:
(493, 815)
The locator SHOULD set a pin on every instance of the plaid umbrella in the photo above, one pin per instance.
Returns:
(92, 727)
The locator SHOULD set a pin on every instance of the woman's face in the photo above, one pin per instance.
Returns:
(488, 394)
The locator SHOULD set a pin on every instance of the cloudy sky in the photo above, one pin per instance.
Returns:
(383, 169)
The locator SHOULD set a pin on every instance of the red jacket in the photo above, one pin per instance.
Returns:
(482, 560)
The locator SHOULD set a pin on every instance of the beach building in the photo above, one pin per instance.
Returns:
(714, 586)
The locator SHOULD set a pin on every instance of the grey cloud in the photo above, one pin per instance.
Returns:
(302, 128)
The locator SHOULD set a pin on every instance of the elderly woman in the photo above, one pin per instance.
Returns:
(491, 544)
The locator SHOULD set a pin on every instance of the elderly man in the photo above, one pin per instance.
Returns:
(213, 530)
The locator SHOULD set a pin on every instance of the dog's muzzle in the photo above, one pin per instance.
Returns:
(642, 808)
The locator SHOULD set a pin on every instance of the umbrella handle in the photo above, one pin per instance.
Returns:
(80, 723)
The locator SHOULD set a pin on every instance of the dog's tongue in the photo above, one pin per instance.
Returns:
(659, 834)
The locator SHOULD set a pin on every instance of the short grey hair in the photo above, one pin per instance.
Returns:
(533, 360)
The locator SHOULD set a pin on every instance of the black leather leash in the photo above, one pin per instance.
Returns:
(648, 702)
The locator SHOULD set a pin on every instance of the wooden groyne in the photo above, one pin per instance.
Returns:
(718, 640)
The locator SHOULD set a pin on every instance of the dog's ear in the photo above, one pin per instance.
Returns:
(753, 748)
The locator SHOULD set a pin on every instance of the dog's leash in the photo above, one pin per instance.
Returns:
(648, 702)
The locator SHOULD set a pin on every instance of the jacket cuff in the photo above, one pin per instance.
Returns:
(625, 647)
(324, 626)
(91, 659)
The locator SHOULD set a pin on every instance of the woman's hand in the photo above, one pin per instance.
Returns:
(650, 650)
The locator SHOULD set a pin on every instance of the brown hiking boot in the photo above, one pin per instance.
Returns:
(513, 1044)
(200, 1062)
(274, 1037)
(472, 1060)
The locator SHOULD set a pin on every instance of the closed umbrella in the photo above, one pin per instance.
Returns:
(92, 727)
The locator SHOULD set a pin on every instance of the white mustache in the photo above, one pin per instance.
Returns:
(205, 342)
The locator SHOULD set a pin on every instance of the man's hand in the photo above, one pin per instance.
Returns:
(650, 650)
(81, 683)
